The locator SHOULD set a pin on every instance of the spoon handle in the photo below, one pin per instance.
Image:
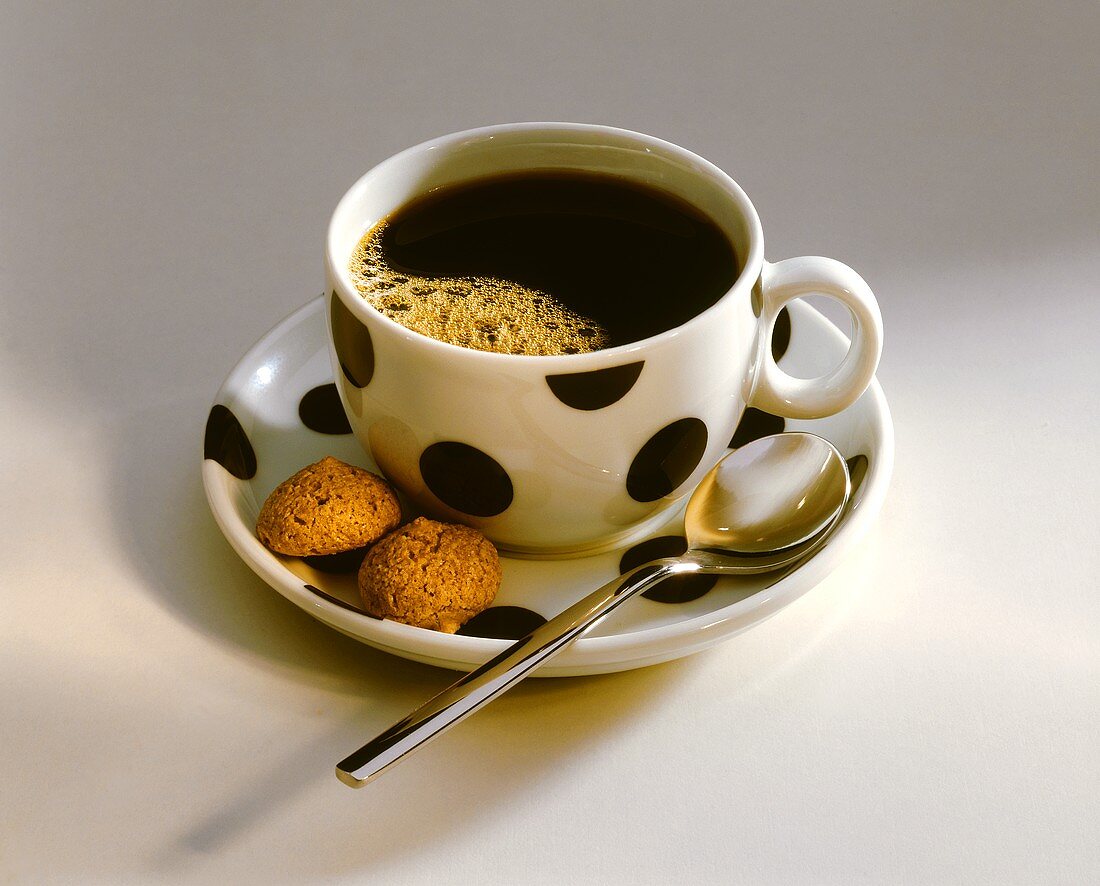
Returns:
(497, 675)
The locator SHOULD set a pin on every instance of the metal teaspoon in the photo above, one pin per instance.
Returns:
(765, 506)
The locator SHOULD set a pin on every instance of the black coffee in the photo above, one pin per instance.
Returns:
(544, 262)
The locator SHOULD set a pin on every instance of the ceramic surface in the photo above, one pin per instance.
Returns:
(277, 412)
(543, 471)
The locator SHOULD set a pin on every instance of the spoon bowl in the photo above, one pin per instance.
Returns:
(772, 495)
(766, 506)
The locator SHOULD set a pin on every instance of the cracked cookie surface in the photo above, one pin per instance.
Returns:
(431, 575)
(328, 507)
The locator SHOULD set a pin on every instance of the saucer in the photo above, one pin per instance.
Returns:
(278, 411)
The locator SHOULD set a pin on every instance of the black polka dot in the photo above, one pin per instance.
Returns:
(226, 443)
(338, 564)
(667, 459)
(678, 589)
(652, 549)
(321, 410)
(502, 623)
(754, 424)
(781, 334)
(336, 601)
(857, 470)
(354, 348)
(466, 479)
(595, 389)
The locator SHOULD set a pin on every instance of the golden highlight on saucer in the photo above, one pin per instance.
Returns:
(431, 575)
(327, 508)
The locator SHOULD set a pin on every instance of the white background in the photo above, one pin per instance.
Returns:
(927, 715)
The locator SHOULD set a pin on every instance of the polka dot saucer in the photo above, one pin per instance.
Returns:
(278, 411)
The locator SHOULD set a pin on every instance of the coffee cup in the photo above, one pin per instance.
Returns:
(571, 454)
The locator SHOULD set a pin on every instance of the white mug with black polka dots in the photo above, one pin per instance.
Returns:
(575, 453)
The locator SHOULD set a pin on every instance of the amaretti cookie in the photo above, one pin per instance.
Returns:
(327, 508)
(430, 574)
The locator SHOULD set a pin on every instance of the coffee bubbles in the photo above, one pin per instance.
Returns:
(544, 262)
(482, 313)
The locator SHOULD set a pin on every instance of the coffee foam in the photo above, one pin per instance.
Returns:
(483, 313)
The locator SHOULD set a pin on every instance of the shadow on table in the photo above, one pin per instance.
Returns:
(450, 791)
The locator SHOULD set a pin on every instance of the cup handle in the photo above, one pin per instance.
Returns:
(781, 394)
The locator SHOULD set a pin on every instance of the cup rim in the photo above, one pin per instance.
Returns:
(360, 308)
